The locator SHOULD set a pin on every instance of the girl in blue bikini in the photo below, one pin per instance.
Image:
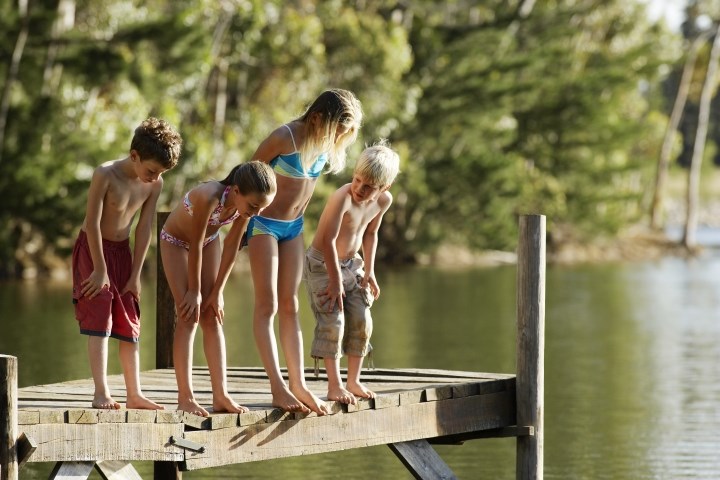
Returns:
(298, 152)
(197, 268)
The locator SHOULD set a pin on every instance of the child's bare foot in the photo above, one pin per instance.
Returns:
(192, 406)
(142, 402)
(224, 403)
(341, 395)
(310, 400)
(288, 402)
(360, 390)
(105, 403)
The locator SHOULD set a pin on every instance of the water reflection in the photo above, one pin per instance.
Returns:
(632, 363)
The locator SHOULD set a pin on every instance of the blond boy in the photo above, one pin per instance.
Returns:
(106, 274)
(341, 284)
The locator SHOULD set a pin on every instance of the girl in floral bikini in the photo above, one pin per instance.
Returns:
(197, 268)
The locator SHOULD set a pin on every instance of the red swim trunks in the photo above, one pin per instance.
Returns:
(108, 314)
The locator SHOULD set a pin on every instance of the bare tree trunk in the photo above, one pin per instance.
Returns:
(657, 206)
(708, 89)
(64, 21)
(13, 68)
(524, 10)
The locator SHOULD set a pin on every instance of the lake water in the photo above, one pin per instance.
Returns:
(632, 364)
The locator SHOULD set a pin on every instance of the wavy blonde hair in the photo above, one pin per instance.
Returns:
(333, 108)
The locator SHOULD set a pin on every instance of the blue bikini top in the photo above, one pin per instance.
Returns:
(290, 164)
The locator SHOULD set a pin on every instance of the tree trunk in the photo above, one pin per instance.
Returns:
(657, 206)
(64, 21)
(12, 71)
(693, 186)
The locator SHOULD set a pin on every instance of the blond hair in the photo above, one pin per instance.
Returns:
(334, 107)
(378, 164)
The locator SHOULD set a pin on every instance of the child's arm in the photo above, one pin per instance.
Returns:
(329, 230)
(98, 279)
(369, 244)
(143, 233)
(227, 261)
(275, 144)
(203, 205)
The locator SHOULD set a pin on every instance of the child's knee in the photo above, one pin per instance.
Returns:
(288, 307)
(267, 308)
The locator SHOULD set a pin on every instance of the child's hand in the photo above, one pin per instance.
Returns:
(216, 304)
(333, 295)
(370, 281)
(132, 286)
(190, 306)
(94, 284)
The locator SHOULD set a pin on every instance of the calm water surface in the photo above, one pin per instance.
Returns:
(632, 364)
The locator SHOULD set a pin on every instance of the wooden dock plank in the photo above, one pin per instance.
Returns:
(410, 405)
(106, 441)
(350, 430)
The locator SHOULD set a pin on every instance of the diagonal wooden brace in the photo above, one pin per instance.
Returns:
(188, 444)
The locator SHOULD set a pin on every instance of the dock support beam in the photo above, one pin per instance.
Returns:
(530, 379)
(422, 460)
(165, 317)
(165, 320)
(8, 417)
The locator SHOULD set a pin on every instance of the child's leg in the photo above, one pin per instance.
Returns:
(175, 263)
(359, 326)
(130, 362)
(336, 391)
(353, 378)
(213, 335)
(98, 354)
(263, 253)
(291, 260)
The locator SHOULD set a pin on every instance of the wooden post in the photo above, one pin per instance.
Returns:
(8, 417)
(530, 345)
(165, 320)
(164, 310)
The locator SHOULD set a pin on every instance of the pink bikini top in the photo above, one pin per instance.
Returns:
(215, 215)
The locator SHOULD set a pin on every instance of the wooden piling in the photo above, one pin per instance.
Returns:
(530, 345)
(165, 321)
(8, 417)
(165, 317)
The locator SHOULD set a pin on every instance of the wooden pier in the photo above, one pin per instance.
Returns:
(414, 408)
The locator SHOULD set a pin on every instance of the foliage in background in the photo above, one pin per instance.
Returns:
(496, 111)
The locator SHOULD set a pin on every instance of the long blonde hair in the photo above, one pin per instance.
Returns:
(334, 107)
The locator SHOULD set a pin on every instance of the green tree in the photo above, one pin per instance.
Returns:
(555, 122)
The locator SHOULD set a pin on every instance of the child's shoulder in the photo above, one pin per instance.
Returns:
(385, 199)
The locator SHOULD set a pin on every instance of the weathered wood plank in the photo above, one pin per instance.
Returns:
(8, 417)
(28, 417)
(82, 416)
(165, 317)
(117, 470)
(25, 447)
(106, 441)
(441, 392)
(513, 431)
(530, 345)
(141, 416)
(344, 431)
(422, 460)
(71, 470)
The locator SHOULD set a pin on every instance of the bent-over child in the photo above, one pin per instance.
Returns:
(298, 152)
(197, 269)
(340, 283)
(106, 274)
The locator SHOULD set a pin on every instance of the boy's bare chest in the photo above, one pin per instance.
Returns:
(126, 196)
(359, 216)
